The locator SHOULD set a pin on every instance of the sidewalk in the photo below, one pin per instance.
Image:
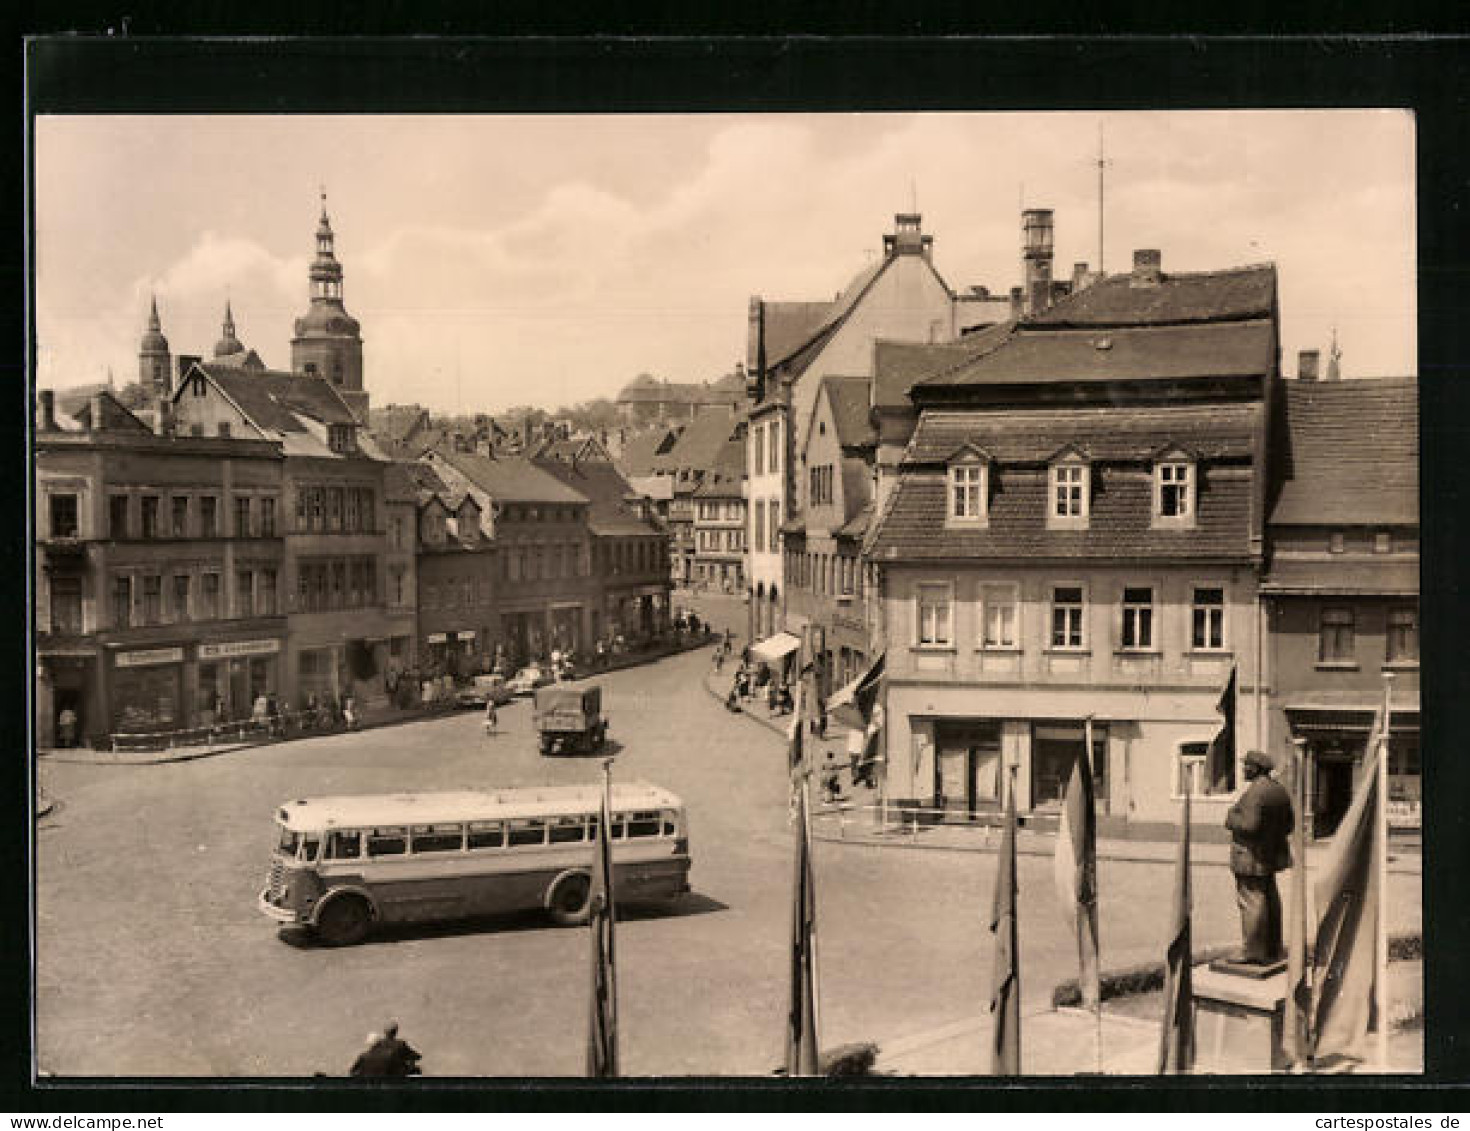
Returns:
(859, 822)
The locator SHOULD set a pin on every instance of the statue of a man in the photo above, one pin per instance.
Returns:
(1260, 823)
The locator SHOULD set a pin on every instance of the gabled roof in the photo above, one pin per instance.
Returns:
(898, 365)
(642, 453)
(512, 479)
(848, 399)
(1227, 349)
(789, 325)
(1352, 453)
(701, 441)
(115, 415)
(1205, 296)
(723, 480)
(396, 423)
(400, 482)
(612, 510)
(274, 401)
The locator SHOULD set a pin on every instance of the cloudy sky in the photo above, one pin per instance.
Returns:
(496, 261)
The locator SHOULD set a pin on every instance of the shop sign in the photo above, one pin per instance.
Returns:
(147, 657)
(464, 635)
(438, 638)
(228, 648)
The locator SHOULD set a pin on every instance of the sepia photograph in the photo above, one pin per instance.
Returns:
(921, 594)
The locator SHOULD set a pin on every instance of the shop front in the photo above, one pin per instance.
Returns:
(147, 690)
(321, 674)
(566, 626)
(232, 675)
(66, 699)
(1336, 743)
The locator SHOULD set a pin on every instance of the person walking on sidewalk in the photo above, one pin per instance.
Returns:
(492, 717)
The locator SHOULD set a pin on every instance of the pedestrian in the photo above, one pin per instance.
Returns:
(719, 659)
(260, 712)
(273, 713)
(349, 711)
(66, 725)
(386, 1055)
(1260, 823)
(492, 717)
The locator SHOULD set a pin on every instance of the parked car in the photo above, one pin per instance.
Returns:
(570, 718)
(484, 689)
(528, 679)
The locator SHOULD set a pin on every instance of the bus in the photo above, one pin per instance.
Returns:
(342, 865)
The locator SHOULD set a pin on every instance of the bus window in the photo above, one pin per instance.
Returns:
(644, 824)
(290, 842)
(670, 824)
(530, 830)
(486, 834)
(310, 845)
(344, 845)
(386, 842)
(567, 830)
(438, 838)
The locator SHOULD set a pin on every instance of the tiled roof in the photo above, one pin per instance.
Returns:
(643, 454)
(1141, 353)
(1352, 454)
(848, 397)
(510, 479)
(426, 482)
(700, 443)
(857, 525)
(1211, 432)
(608, 492)
(1206, 296)
(1120, 527)
(897, 365)
(271, 399)
(396, 422)
(728, 389)
(1342, 576)
(790, 325)
(71, 400)
(400, 482)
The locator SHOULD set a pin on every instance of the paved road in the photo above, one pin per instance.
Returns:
(152, 959)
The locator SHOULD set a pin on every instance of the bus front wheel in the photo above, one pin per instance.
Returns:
(344, 921)
(569, 900)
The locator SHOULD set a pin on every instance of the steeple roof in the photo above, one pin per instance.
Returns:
(228, 343)
(153, 340)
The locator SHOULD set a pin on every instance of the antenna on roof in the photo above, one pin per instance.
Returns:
(1102, 164)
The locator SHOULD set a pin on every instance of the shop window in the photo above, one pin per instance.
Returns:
(1403, 636)
(66, 605)
(999, 613)
(1138, 618)
(63, 516)
(180, 506)
(1055, 748)
(117, 516)
(1066, 617)
(1382, 542)
(1335, 637)
(1335, 542)
(1207, 620)
(934, 615)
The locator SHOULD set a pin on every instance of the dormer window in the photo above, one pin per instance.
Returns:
(1174, 489)
(341, 437)
(969, 487)
(1070, 491)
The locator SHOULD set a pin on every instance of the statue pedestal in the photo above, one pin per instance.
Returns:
(1239, 1021)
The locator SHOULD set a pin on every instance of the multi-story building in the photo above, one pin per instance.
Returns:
(826, 590)
(544, 594)
(400, 564)
(458, 612)
(1341, 590)
(791, 346)
(630, 548)
(646, 399)
(719, 521)
(1071, 550)
(161, 580)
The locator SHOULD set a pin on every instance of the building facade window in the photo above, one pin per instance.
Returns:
(934, 619)
(1382, 542)
(267, 602)
(774, 455)
(759, 539)
(208, 516)
(1066, 616)
(209, 596)
(64, 516)
(999, 605)
(181, 596)
(244, 593)
(1335, 542)
(150, 516)
(66, 605)
(1138, 618)
(1335, 637)
(351, 519)
(122, 602)
(1403, 636)
(1207, 620)
(775, 546)
(758, 449)
(1190, 770)
(117, 516)
(267, 518)
(179, 505)
(1069, 491)
(1174, 490)
(242, 516)
(967, 492)
(334, 508)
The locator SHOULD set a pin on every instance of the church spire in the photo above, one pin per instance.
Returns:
(154, 360)
(228, 343)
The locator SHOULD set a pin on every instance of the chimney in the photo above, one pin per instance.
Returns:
(1306, 364)
(1148, 267)
(185, 362)
(99, 424)
(1018, 302)
(164, 417)
(48, 410)
(1036, 256)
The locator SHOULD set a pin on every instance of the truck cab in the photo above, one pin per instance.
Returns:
(569, 717)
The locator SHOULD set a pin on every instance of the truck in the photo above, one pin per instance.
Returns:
(569, 717)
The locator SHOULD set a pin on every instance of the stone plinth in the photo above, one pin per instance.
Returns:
(1239, 1022)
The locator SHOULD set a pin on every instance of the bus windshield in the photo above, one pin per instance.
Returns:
(303, 845)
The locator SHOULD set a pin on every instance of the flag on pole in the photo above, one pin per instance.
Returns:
(1220, 761)
(1345, 993)
(1005, 994)
(801, 1015)
(1076, 873)
(602, 1031)
(1176, 1040)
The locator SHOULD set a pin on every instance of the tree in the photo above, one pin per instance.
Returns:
(136, 396)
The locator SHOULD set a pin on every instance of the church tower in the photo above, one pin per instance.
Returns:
(328, 342)
(154, 363)
(228, 345)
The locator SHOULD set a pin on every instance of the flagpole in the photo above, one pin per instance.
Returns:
(806, 817)
(1380, 974)
(1097, 1005)
(1298, 1021)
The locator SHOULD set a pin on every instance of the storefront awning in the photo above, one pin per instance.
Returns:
(775, 648)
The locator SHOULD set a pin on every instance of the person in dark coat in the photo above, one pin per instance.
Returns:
(1260, 823)
(386, 1055)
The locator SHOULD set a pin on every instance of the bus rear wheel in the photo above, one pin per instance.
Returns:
(570, 901)
(344, 921)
